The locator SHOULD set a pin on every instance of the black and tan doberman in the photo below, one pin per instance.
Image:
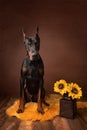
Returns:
(32, 73)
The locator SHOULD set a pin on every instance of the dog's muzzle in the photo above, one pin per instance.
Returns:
(35, 57)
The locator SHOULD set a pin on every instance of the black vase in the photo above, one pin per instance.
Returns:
(68, 107)
(65, 96)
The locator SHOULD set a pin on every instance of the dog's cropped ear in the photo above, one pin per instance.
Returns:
(37, 39)
(37, 35)
(37, 30)
(23, 34)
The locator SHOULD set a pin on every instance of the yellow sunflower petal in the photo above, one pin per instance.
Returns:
(74, 91)
(60, 86)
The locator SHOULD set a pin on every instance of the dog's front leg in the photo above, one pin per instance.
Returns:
(40, 109)
(22, 100)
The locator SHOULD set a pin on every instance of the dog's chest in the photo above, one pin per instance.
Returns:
(33, 70)
(33, 78)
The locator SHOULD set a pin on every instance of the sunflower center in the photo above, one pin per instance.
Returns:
(74, 90)
(61, 86)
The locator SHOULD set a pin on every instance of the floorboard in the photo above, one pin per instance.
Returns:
(58, 123)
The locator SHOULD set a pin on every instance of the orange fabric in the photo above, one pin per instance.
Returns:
(31, 113)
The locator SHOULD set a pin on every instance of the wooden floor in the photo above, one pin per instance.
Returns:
(58, 123)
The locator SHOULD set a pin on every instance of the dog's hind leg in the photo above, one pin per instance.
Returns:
(27, 95)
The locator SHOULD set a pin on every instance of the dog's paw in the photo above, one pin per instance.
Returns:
(20, 110)
(47, 104)
(40, 110)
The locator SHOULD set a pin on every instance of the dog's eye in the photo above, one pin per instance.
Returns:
(30, 40)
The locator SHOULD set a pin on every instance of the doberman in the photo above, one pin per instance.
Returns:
(32, 73)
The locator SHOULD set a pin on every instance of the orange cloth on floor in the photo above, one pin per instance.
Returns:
(31, 113)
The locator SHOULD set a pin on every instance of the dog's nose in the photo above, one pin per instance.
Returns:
(34, 57)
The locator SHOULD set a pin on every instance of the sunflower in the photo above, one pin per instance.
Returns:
(60, 86)
(74, 91)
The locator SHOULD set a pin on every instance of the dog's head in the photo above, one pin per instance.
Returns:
(32, 45)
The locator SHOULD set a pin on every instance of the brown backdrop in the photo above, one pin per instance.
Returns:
(63, 32)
